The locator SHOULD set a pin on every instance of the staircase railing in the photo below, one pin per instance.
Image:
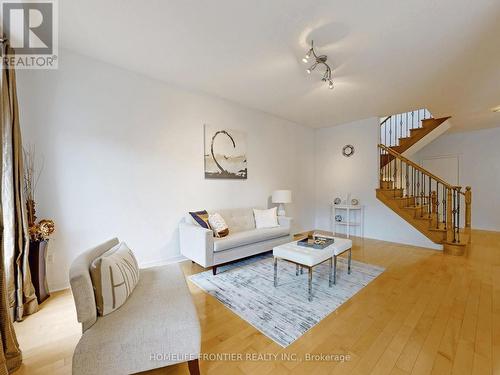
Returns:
(435, 199)
(394, 127)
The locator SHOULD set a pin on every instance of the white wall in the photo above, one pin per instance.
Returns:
(358, 175)
(123, 156)
(479, 167)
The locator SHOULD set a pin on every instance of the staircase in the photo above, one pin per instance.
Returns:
(431, 205)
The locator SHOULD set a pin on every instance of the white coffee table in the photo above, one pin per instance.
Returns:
(309, 257)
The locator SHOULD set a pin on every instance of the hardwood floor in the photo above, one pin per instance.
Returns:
(428, 313)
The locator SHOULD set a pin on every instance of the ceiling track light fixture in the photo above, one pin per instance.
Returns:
(318, 60)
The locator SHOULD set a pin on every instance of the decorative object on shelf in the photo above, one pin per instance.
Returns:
(354, 202)
(39, 232)
(338, 218)
(318, 60)
(281, 197)
(337, 200)
(348, 150)
(225, 153)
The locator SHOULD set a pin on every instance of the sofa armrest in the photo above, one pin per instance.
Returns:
(285, 222)
(197, 243)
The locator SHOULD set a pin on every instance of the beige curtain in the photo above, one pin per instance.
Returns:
(17, 295)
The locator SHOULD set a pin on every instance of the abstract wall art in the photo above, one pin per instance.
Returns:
(225, 153)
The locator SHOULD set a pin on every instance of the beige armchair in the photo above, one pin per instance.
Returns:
(156, 327)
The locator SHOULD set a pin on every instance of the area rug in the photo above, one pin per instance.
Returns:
(284, 313)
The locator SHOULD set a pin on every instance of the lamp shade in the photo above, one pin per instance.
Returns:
(282, 196)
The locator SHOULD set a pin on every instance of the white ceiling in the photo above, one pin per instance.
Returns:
(388, 56)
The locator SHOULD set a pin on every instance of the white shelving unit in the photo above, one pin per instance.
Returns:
(352, 217)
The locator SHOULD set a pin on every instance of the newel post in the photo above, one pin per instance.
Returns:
(468, 211)
(468, 208)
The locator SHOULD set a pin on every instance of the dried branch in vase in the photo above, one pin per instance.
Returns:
(32, 172)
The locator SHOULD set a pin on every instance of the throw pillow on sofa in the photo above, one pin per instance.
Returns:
(265, 218)
(201, 217)
(114, 276)
(218, 225)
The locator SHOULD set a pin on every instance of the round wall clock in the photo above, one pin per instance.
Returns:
(348, 150)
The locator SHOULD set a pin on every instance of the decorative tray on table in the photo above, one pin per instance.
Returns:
(316, 242)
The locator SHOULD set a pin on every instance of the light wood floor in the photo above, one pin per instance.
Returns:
(427, 313)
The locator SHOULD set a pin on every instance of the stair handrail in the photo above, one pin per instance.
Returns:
(418, 167)
(386, 119)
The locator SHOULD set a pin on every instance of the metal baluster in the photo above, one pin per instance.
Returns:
(411, 181)
(394, 130)
(390, 132)
(414, 185)
(407, 181)
(429, 198)
(422, 194)
(437, 205)
(406, 134)
(444, 207)
(387, 135)
(400, 126)
(418, 188)
(379, 166)
(454, 218)
(394, 176)
(401, 174)
(385, 166)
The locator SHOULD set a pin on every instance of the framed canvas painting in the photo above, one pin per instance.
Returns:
(225, 153)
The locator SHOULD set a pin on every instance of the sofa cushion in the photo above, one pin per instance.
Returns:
(248, 237)
(237, 219)
(156, 327)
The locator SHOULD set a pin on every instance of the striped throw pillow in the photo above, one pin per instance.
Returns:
(114, 275)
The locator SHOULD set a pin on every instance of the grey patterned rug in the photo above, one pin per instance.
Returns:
(284, 313)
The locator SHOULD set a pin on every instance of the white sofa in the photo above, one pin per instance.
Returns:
(156, 327)
(244, 240)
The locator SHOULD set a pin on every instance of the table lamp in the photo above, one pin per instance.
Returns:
(281, 197)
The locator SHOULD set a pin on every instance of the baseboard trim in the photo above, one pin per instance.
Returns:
(58, 287)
